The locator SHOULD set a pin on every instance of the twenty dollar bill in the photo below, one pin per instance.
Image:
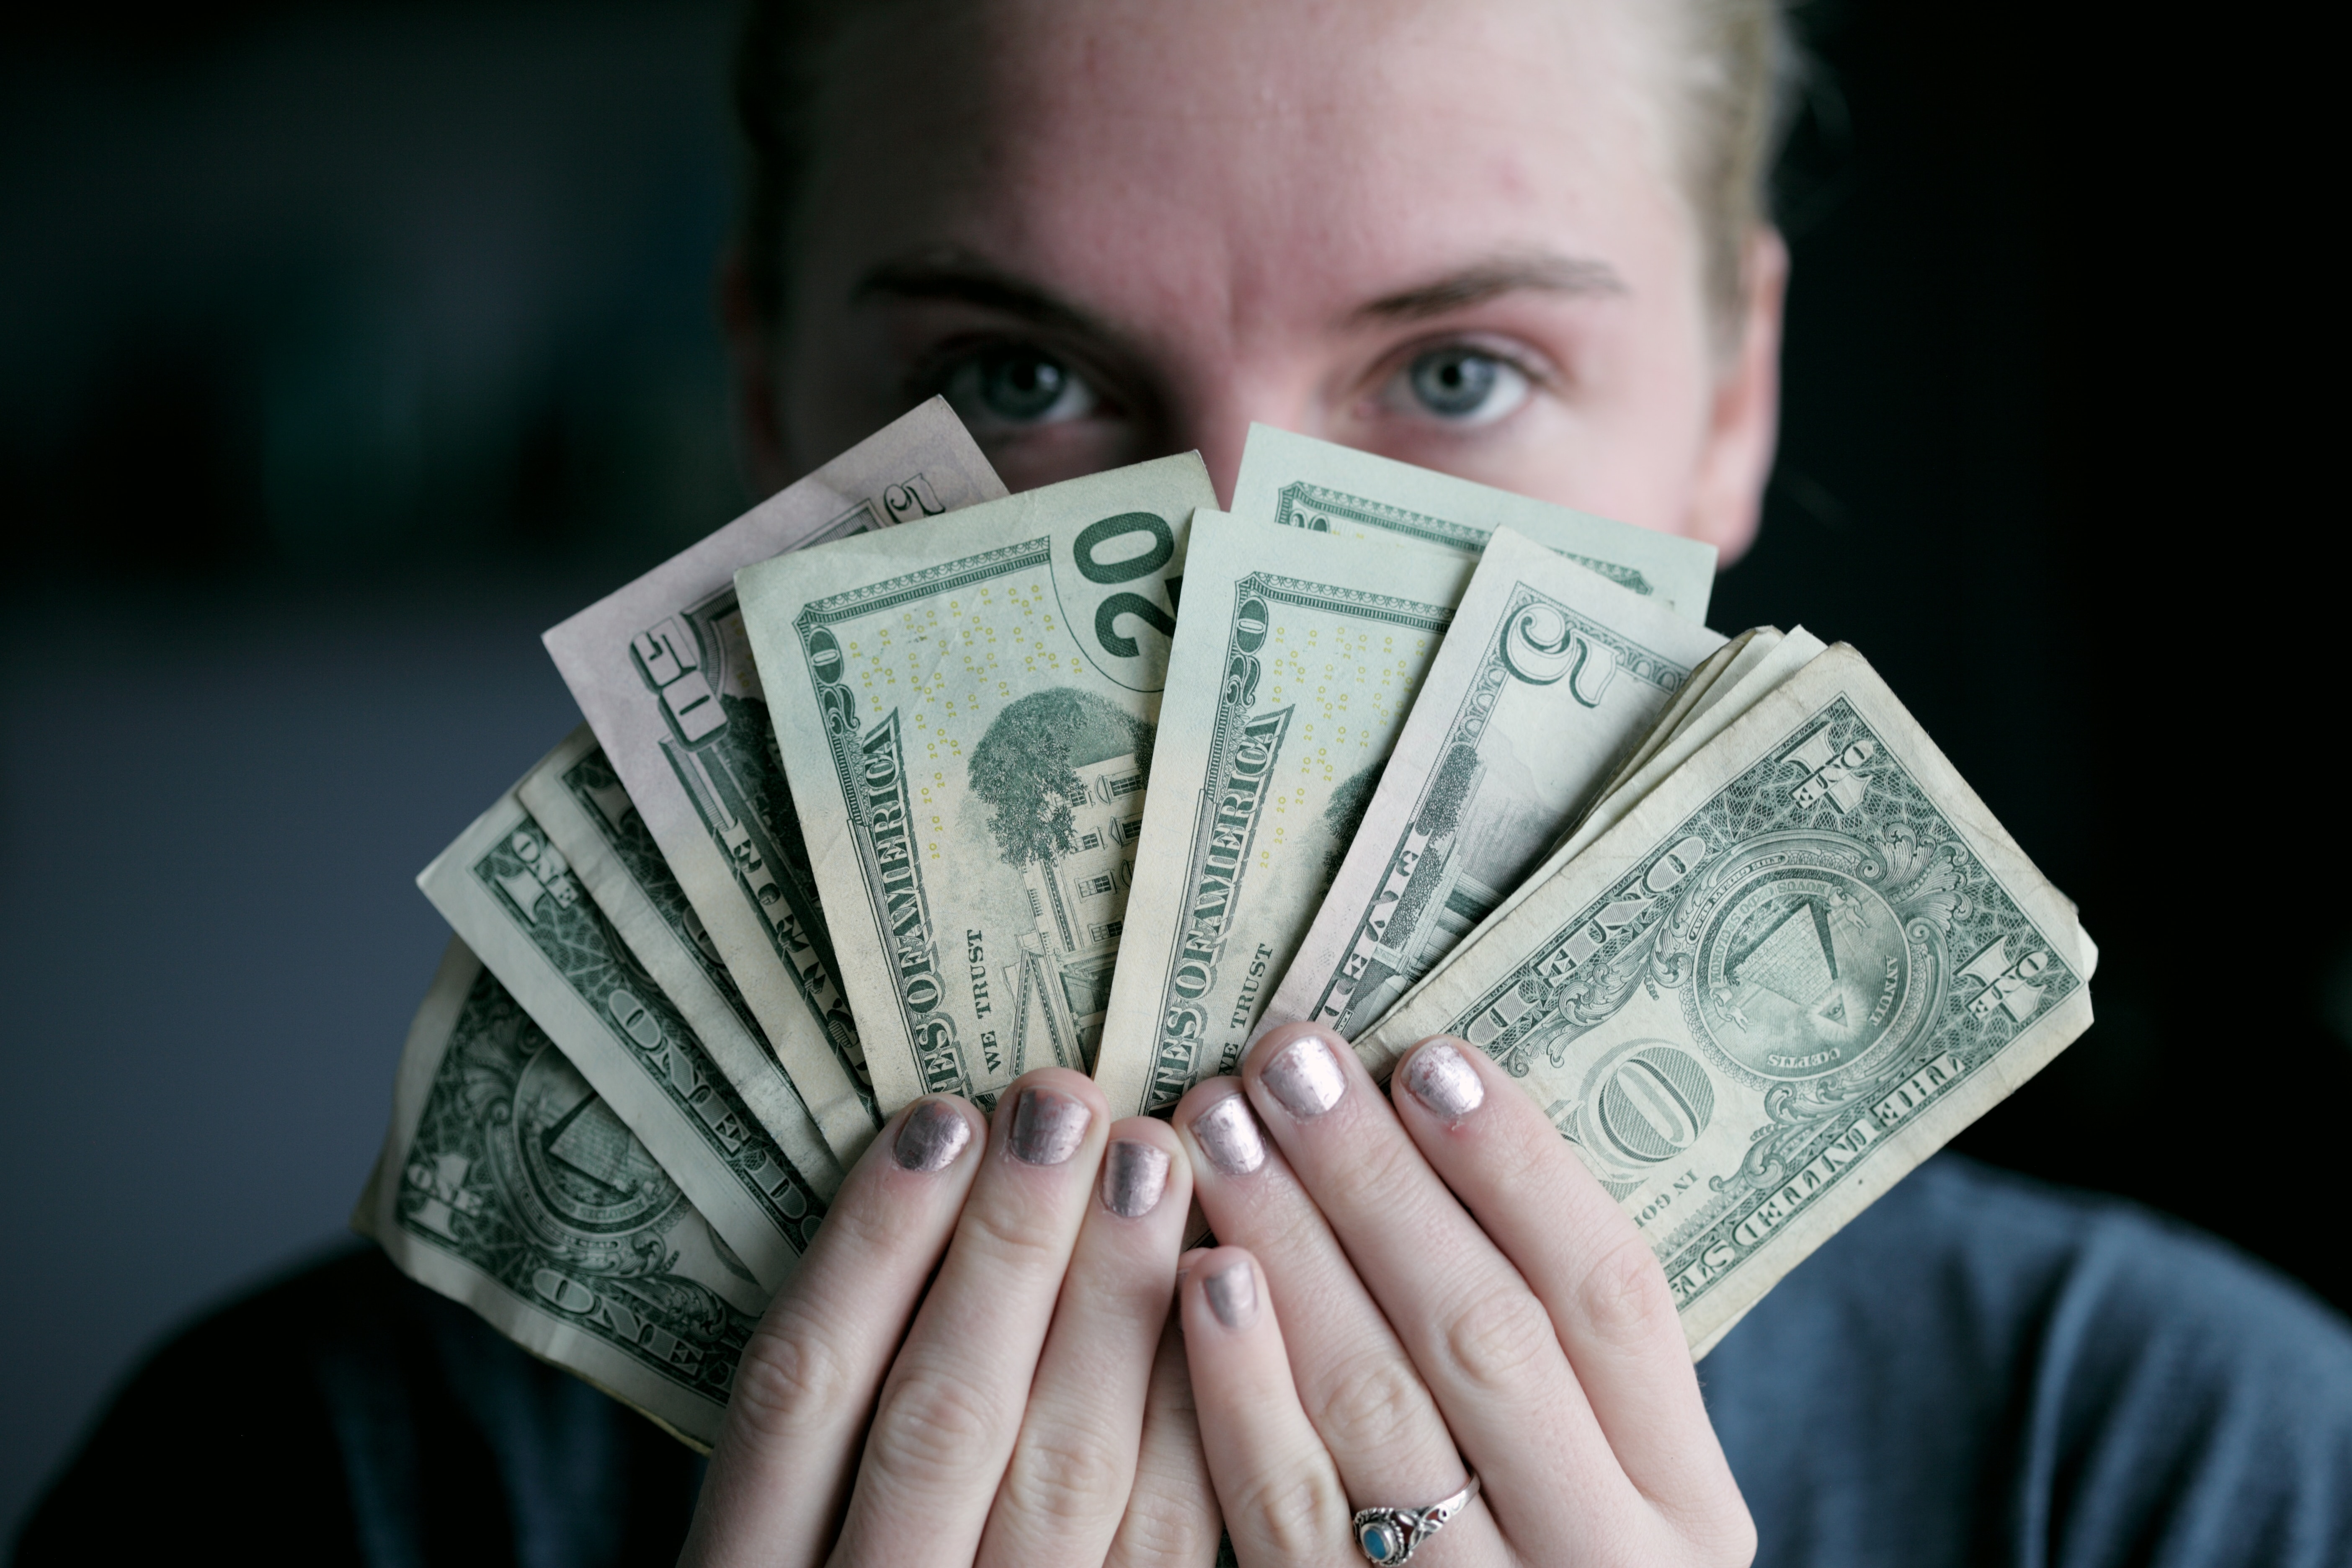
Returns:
(966, 711)
(1298, 656)
(1299, 482)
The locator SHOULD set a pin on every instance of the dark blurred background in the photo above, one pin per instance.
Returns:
(344, 347)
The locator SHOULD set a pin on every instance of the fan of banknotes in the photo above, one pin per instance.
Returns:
(898, 785)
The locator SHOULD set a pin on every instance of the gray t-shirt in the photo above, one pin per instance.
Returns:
(1979, 1370)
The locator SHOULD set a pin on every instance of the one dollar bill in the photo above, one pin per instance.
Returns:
(662, 671)
(1550, 676)
(1789, 973)
(966, 709)
(507, 1183)
(586, 813)
(509, 892)
(1296, 660)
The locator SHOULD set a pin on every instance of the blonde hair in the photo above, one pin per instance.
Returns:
(1732, 74)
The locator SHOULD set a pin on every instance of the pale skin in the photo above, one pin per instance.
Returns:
(1449, 232)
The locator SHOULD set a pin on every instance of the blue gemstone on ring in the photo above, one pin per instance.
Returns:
(1379, 1540)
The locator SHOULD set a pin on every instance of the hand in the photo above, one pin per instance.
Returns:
(1416, 1288)
(986, 1435)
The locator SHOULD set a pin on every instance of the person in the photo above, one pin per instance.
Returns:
(1521, 240)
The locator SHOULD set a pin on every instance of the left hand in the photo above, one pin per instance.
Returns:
(1415, 1288)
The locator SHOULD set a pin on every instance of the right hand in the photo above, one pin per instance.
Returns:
(978, 1434)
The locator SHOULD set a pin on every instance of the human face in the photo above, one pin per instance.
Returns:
(1447, 232)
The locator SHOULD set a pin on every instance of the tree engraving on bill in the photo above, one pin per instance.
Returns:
(664, 675)
(972, 735)
(1286, 697)
(1753, 1012)
(1549, 677)
(509, 1184)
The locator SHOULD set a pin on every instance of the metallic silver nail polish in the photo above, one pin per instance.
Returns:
(931, 1138)
(1227, 1133)
(1134, 1175)
(1305, 1077)
(1442, 1082)
(1232, 1293)
(1048, 1126)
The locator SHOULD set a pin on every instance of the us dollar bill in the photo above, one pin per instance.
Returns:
(663, 673)
(585, 811)
(508, 1185)
(1790, 973)
(509, 892)
(1299, 482)
(1296, 660)
(1765, 659)
(1550, 676)
(966, 710)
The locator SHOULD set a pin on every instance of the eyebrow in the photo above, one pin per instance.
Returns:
(1484, 280)
(972, 282)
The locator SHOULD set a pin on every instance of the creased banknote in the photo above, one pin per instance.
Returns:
(1300, 482)
(1297, 659)
(506, 1184)
(1785, 975)
(581, 805)
(511, 895)
(1550, 676)
(966, 709)
(1765, 658)
(662, 672)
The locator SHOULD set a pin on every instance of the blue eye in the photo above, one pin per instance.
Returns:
(1465, 386)
(1016, 385)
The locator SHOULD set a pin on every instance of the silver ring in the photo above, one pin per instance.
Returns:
(1388, 1535)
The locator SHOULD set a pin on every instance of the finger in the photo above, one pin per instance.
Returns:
(1599, 1284)
(1067, 1484)
(1277, 1484)
(1477, 1335)
(807, 1379)
(1171, 1519)
(1353, 1378)
(945, 1421)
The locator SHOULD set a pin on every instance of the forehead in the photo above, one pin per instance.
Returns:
(1368, 137)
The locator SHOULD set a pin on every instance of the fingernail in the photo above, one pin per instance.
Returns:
(1232, 1293)
(1442, 1082)
(1134, 1175)
(1227, 1134)
(1305, 1077)
(931, 1138)
(1048, 1126)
